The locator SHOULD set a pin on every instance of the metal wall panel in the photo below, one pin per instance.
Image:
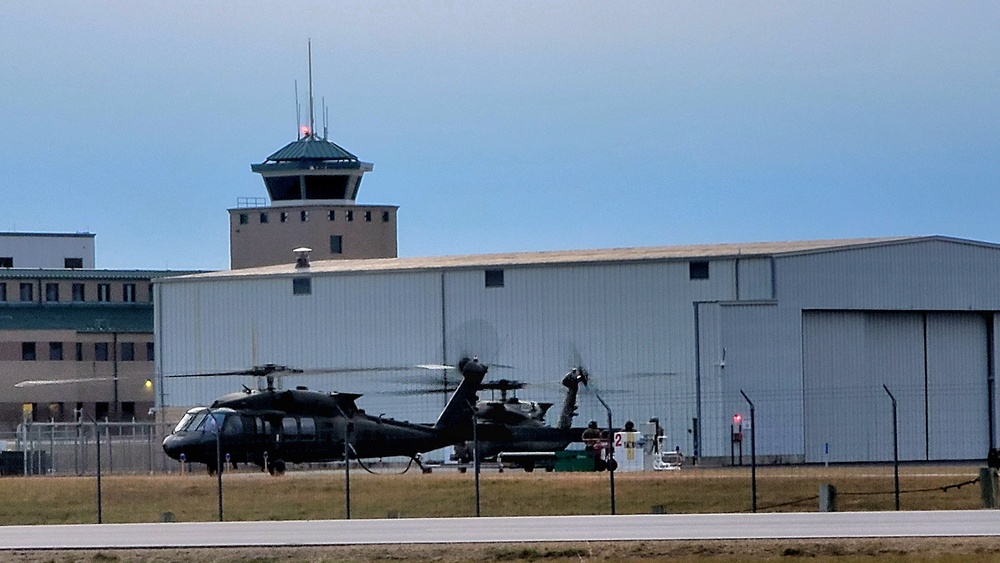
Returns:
(927, 275)
(354, 321)
(627, 324)
(763, 357)
(935, 364)
(957, 391)
(755, 278)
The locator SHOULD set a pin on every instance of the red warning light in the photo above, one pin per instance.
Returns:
(737, 419)
(305, 130)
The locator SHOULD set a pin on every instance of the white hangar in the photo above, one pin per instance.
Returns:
(811, 331)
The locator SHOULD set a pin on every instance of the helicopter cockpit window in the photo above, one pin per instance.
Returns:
(289, 426)
(234, 426)
(190, 417)
(211, 422)
(308, 427)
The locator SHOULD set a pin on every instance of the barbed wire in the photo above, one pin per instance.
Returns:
(943, 488)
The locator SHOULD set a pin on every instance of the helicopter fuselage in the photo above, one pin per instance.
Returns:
(271, 427)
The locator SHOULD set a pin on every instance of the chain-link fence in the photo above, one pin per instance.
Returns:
(67, 448)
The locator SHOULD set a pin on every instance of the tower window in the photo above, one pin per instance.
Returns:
(244, 218)
(28, 351)
(101, 351)
(349, 214)
(128, 351)
(385, 216)
(27, 292)
(698, 270)
(336, 244)
(263, 217)
(494, 278)
(303, 215)
(331, 215)
(79, 351)
(283, 217)
(104, 292)
(150, 352)
(301, 286)
(368, 216)
(128, 292)
(79, 292)
(3, 291)
(52, 292)
(73, 262)
(6, 261)
(55, 351)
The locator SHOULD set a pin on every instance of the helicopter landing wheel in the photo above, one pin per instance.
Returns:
(277, 467)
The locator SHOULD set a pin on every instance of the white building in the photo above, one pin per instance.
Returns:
(810, 331)
(47, 250)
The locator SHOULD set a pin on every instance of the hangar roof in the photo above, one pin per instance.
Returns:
(566, 257)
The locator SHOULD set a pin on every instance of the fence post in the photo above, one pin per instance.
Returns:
(988, 487)
(827, 498)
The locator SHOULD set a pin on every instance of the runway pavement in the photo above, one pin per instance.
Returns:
(516, 529)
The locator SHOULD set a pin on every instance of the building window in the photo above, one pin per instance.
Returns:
(101, 351)
(28, 351)
(698, 270)
(79, 351)
(494, 278)
(244, 218)
(263, 217)
(385, 216)
(128, 352)
(27, 292)
(55, 351)
(104, 292)
(368, 216)
(52, 292)
(128, 292)
(336, 244)
(128, 410)
(301, 286)
(283, 217)
(6, 261)
(101, 410)
(331, 215)
(303, 215)
(349, 214)
(79, 292)
(73, 262)
(150, 294)
(150, 352)
(3, 291)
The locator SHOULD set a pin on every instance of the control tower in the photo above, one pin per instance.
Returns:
(312, 185)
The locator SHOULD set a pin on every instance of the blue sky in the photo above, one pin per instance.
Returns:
(512, 126)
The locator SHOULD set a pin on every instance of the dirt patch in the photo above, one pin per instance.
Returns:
(814, 551)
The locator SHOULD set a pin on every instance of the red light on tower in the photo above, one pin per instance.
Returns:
(305, 130)
(737, 419)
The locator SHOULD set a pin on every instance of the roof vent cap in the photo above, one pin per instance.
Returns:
(302, 257)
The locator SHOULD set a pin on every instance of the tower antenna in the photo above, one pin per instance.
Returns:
(326, 118)
(298, 113)
(311, 114)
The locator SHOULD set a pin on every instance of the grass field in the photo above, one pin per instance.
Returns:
(320, 495)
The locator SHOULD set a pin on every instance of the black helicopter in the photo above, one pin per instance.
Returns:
(515, 428)
(272, 427)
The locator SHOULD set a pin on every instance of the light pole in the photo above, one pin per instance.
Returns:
(97, 436)
(475, 455)
(895, 445)
(612, 464)
(753, 452)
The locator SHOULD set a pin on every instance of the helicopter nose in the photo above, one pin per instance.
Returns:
(172, 446)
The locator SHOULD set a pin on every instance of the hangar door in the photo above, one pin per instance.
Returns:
(935, 364)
